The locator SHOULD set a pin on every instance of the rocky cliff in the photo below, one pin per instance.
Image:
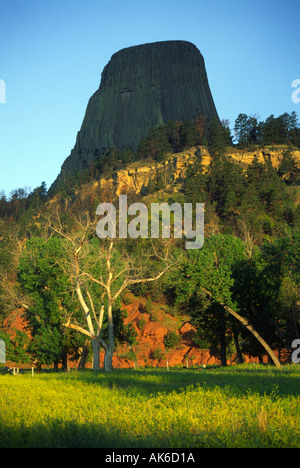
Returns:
(141, 87)
(137, 176)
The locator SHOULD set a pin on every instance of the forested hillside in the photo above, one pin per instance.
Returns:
(72, 285)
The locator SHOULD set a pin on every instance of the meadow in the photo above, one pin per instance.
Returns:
(238, 406)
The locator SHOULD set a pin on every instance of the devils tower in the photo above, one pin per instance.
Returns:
(141, 87)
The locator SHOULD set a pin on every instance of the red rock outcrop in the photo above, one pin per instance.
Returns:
(151, 325)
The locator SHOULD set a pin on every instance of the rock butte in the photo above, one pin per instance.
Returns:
(141, 87)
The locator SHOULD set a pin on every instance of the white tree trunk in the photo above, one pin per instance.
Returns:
(96, 354)
(108, 367)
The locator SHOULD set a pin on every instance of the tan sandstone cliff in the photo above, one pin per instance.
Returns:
(173, 169)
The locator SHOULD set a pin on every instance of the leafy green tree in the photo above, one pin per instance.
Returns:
(218, 138)
(241, 129)
(173, 132)
(195, 183)
(288, 169)
(253, 131)
(247, 130)
(201, 125)
(225, 185)
(188, 135)
(19, 348)
(127, 155)
(42, 277)
(283, 129)
(255, 290)
(155, 145)
(211, 270)
(267, 190)
(282, 259)
(278, 130)
(270, 130)
(266, 290)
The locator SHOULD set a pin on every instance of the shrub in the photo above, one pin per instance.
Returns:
(171, 339)
(157, 353)
(149, 306)
(142, 323)
(150, 309)
(127, 300)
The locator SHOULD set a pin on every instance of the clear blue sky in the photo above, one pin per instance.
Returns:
(52, 53)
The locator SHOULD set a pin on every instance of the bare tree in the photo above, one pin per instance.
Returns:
(245, 232)
(116, 275)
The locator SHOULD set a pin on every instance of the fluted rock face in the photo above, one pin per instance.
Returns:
(142, 87)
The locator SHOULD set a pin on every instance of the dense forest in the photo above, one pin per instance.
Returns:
(53, 264)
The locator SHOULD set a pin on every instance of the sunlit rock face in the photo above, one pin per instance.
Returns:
(142, 87)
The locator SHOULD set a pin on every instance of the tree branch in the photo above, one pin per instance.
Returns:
(249, 327)
(80, 329)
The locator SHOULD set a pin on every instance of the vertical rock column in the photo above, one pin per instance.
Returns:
(141, 87)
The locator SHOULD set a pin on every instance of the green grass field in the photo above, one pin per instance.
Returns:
(239, 406)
